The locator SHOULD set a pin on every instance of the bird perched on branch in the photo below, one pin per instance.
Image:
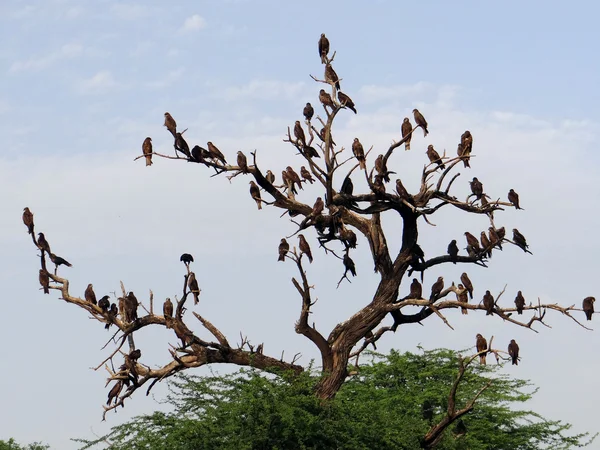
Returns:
(513, 197)
(437, 288)
(270, 177)
(349, 265)
(420, 121)
(434, 157)
(416, 289)
(90, 295)
(284, 247)
(44, 279)
(215, 153)
(346, 101)
(308, 112)
(200, 154)
(513, 351)
(299, 133)
(494, 238)
(476, 188)
(193, 285)
(130, 306)
(486, 245)
(114, 392)
(255, 194)
(473, 242)
(104, 303)
(466, 281)
(481, 345)
(465, 147)
(406, 132)
(170, 124)
(326, 100)
(318, 207)
(401, 190)
(43, 243)
(588, 307)
(147, 150)
(463, 297)
(112, 315)
(186, 258)
(331, 76)
(519, 302)
(28, 220)
(323, 48)
(293, 176)
(347, 186)
(348, 237)
(488, 303)
(519, 239)
(453, 250)
(168, 311)
(306, 176)
(58, 261)
(311, 152)
(359, 153)
(382, 169)
(242, 162)
(305, 248)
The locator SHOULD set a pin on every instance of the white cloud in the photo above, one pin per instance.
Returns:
(67, 51)
(378, 93)
(194, 23)
(264, 89)
(130, 11)
(168, 80)
(100, 83)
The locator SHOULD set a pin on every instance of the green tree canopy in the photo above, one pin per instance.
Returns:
(11, 444)
(391, 402)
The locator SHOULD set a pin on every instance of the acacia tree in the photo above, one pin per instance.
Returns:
(337, 219)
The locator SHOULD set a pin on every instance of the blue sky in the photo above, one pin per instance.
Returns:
(82, 84)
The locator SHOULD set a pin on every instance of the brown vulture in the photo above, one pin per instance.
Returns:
(467, 283)
(434, 157)
(308, 112)
(299, 133)
(323, 48)
(193, 285)
(270, 177)
(401, 190)
(104, 303)
(519, 239)
(293, 176)
(242, 162)
(476, 188)
(359, 153)
(43, 243)
(168, 311)
(348, 237)
(255, 194)
(306, 176)
(116, 390)
(436, 288)
(453, 250)
(346, 101)
(325, 99)
(420, 121)
(130, 304)
(147, 150)
(481, 345)
(406, 132)
(588, 307)
(215, 153)
(90, 295)
(284, 247)
(381, 168)
(494, 238)
(112, 315)
(473, 242)
(347, 186)
(305, 248)
(465, 147)
(331, 76)
(519, 302)
(486, 245)
(463, 297)
(170, 124)
(513, 197)
(318, 207)
(488, 303)
(416, 290)
(349, 265)
(44, 281)
(28, 220)
(513, 351)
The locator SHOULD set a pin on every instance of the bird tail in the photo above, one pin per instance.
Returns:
(353, 109)
(258, 203)
(281, 258)
(337, 85)
(148, 160)
(466, 163)
(464, 311)
(363, 164)
(310, 257)
(425, 132)
(407, 145)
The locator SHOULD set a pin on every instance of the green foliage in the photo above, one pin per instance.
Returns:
(12, 445)
(380, 408)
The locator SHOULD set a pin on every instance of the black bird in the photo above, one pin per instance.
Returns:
(181, 145)
(453, 250)
(186, 258)
(58, 261)
(104, 303)
(349, 265)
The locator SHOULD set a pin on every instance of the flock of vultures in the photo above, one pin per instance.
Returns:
(291, 182)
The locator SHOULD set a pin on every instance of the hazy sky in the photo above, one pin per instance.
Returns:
(83, 83)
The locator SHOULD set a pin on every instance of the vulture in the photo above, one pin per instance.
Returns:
(434, 157)
(346, 101)
(513, 351)
(453, 250)
(467, 283)
(28, 220)
(318, 207)
(147, 150)
(481, 345)
(420, 121)
(170, 124)
(416, 290)
(43, 243)
(255, 194)
(44, 281)
(381, 168)
(325, 99)
(299, 133)
(308, 112)
(305, 248)
(463, 297)
(104, 303)
(284, 247)
(331, 76)
(436, 288)
(186, 258)
(588, 307)
(323, 48)
(182, 146)
(306, 176)
(130, 304)
(58, 261)
(473, 242)
(476, 188)
(215, 153)
(168, 311)
(519, 302)
(270, 177)
(242, 162)
(519, 239)
(488, 303)
(406, 132)
(90, 295)
(359, 153)
(401, 190)
(349, 265)
(465, 147)
(513, 197)
(193, 285)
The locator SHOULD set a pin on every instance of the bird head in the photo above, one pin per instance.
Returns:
(322, 35)
(167, 114)
(415, 111)
(405, 120)
(308, 104)
(460, 286)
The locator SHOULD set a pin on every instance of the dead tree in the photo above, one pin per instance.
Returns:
(337, 219)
